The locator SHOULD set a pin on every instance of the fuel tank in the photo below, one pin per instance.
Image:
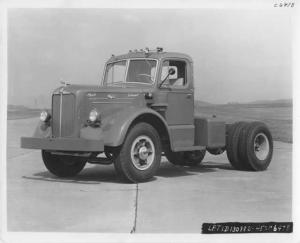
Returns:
(210, 132)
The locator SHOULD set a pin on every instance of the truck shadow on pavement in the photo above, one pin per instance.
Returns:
(106, 174)
(170, 170)
(94, 174)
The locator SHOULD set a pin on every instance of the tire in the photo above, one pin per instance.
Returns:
(139, 157)
(187, 158)
(62, 166)
(232, 145)
(256, 147)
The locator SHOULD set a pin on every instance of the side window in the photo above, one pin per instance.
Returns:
(176, 80)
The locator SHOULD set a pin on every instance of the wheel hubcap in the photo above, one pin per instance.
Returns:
(261, 146)
(142, 152)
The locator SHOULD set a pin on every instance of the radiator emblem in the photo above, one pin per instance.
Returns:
(109, 96)
(133, 95)
(91, 94)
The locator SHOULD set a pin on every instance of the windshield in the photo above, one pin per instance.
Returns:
(130, 71)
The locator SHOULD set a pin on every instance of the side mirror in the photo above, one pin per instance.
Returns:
(171, 71)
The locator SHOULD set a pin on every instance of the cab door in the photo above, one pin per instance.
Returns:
(179, 93)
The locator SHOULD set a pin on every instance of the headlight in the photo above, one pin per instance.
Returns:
(94, 116)
(45, 116)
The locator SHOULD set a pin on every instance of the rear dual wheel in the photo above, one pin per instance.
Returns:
(249, 146)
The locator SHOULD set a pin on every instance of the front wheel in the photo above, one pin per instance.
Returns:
(140, 155)
(61, 165)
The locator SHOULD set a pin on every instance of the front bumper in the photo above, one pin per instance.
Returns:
(63, 144)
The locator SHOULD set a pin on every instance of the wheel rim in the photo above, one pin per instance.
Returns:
(261, 146)
(142, 152)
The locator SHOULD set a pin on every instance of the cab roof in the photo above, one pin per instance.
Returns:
(158, 54)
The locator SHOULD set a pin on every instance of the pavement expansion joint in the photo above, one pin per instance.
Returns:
(135, 209)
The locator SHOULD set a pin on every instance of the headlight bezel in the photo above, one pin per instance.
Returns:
(94, 118)
(45, 116)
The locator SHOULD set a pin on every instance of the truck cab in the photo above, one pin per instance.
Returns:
(143, 108)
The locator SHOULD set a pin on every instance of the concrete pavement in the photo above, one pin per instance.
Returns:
(177, 200)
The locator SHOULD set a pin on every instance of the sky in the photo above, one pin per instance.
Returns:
(239, 55)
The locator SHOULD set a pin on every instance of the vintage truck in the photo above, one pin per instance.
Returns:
(143, 109)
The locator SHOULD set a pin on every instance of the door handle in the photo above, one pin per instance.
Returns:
(188, 96)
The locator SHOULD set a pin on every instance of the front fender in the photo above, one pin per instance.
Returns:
(115, 126)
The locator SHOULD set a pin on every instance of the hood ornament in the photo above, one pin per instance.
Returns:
(62, 89)
(63, 82)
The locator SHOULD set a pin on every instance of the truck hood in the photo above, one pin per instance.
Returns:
(105, 89)
(107, 100)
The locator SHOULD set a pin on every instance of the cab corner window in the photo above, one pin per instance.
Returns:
(115, 72)
(176, 80)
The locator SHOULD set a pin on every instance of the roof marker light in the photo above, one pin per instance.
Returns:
(159, 49)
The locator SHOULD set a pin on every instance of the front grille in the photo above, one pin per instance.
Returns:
(63, 115)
